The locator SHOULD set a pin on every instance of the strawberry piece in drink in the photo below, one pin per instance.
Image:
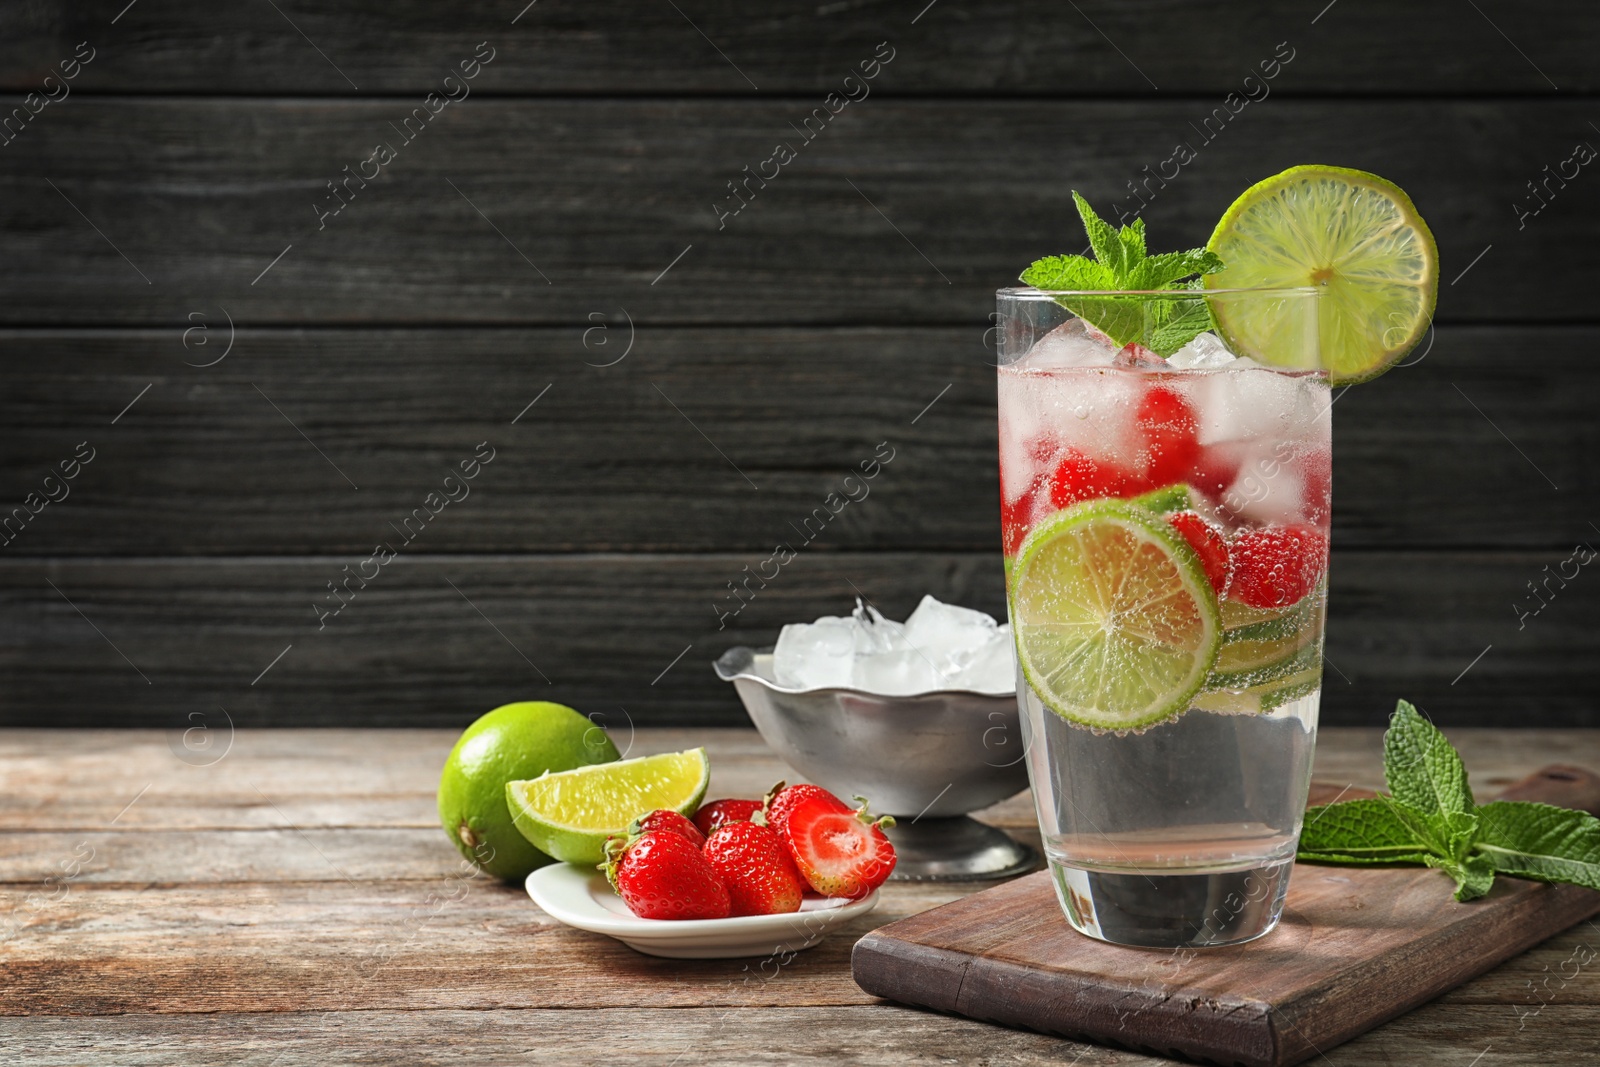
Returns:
(1171, 436)
(1078, 477)
(1209, 544)
(1276, 566)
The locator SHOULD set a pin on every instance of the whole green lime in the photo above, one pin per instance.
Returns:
(510, 743)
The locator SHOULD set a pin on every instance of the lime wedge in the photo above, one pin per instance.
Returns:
(1115, 622)
(1261, 647)
(1261, 699)
(570, 814)
(1353, 234)
(1239, 616)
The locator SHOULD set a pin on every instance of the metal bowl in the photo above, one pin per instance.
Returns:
(927, 759)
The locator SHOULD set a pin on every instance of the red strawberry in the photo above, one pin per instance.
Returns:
(663, 875)
(669, 821)
(1209, 544)
(1077, 477)
(1275, 566)
(1214, 472)
(1014, 519)
(755, 865)
(716, 813)
(1171, 436)
(782, 799)
(840, 853)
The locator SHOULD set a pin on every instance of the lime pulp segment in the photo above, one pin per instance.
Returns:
(1116, 624)
(571, 813)
(1355, 236)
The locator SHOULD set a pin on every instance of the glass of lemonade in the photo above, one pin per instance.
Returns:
(1166, 543)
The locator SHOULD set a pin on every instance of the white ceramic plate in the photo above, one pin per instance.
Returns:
(583, 899)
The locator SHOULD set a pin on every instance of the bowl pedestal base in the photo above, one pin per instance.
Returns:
(958, 849)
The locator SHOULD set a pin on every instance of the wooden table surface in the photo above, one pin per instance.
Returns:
(295, 902)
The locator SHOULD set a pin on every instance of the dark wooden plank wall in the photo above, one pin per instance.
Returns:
(165, 213)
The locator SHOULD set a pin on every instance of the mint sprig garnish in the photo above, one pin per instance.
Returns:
(1120, 262)
(1429, 817)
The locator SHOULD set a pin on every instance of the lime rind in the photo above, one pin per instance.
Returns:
(1261, 699)
(1116, 624)
(1166, 500)
(1355, 235)
(569, 814)
(1303, 657)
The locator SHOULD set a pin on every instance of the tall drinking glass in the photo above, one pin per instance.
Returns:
(1166, 533)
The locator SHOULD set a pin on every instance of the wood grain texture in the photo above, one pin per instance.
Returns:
(208, 460)
(596, 198)
(437, 640)
(180, 962)
(992, 46)
(1435, 1036)
(723, 1037)
(1355, 948)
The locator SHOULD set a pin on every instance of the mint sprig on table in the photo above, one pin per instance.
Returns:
(1429, 817)
(1121, 263)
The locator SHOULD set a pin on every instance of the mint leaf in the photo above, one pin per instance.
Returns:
(1163, 271)
(1108, 245)
(1177, 322)
(1132, 236)
(1068, 272)
(1474, 875)
(1421, 767)
(1121, 263)
(1540, 841)
(1360, 831)
(1431, 818)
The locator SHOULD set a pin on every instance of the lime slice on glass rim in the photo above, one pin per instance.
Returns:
(569, 814)
(1352, 234)
(1116, 625)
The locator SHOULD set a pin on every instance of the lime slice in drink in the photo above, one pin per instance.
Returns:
(1353, 234)
(1260, 699)
(1264, 663)
(1261, 649)
(569, 814)
(1167, 499)
(1116, 624)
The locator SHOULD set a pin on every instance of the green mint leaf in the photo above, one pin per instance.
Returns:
(1431, 819)
(1108, 246)
(1177, 322)
(1164, 270)
(1132, 236)
(1474, 876)
(1068, 272)
(1423, 770)
(1120, 318)
(1361, 831)
(1540, 841)
(1449, 836)
(1121, 263)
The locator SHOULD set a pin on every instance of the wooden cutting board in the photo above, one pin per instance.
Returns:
(1355, 948)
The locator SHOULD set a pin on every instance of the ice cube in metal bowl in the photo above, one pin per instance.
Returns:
(927, 759)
